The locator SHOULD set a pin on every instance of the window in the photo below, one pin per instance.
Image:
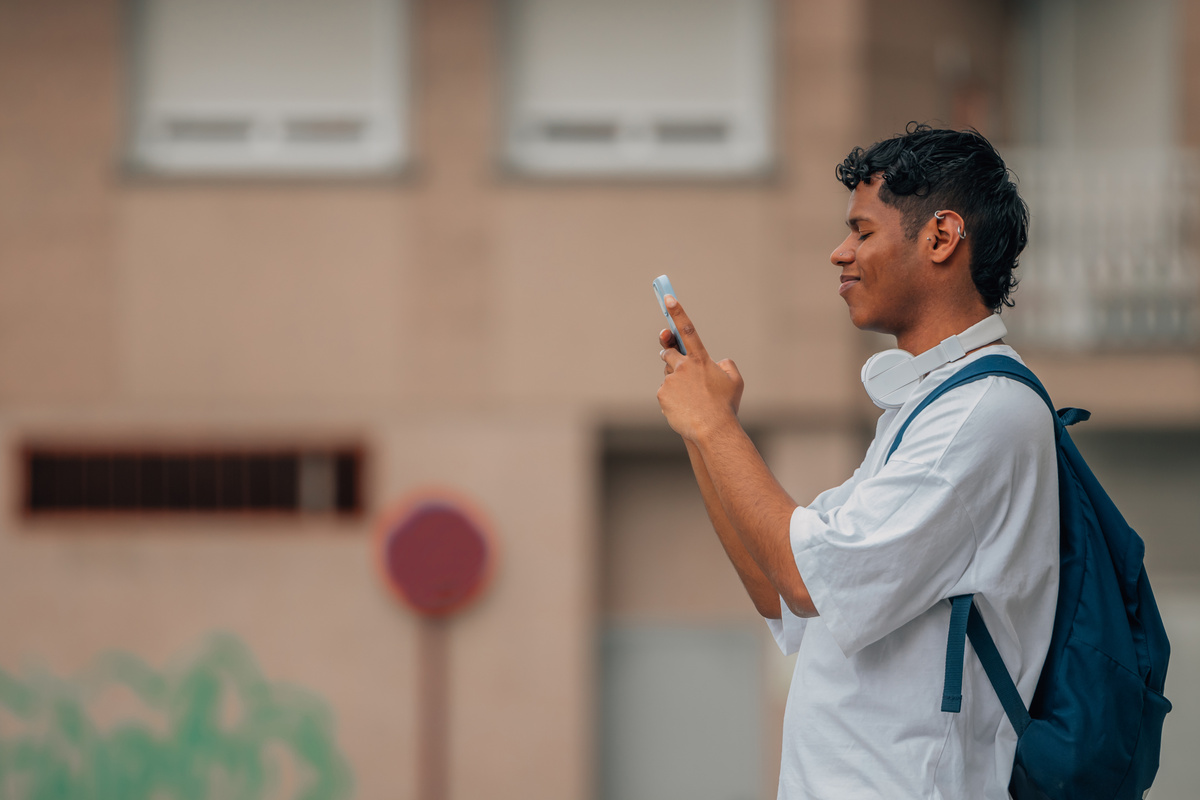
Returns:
(182, 481)
(272, 86)
(639, 87)
(1112, 262)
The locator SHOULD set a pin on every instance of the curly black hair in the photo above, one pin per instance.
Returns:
(928, 169)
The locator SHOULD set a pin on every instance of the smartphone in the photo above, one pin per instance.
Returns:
(662, 288)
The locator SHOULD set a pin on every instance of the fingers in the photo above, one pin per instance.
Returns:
(671, 357)
(667, 340)
(687, 331)
(739, 385)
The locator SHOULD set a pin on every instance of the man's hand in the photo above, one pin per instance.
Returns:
(696, 395)
(749, 509)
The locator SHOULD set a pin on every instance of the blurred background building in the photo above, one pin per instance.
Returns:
(268, 266)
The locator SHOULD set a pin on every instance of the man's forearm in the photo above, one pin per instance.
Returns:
(761, 590)
(756, 507)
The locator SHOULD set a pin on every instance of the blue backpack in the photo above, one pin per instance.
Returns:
(1094, 727)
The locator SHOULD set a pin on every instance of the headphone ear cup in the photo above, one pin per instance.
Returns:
(875, 367)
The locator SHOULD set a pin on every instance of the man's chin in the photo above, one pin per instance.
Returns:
(860, 319)
(865, 322)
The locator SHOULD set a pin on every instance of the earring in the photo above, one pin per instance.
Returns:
(939, 216)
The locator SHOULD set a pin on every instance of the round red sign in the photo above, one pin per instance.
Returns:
(435, 553)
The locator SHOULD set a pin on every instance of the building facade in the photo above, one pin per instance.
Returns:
(269, 268)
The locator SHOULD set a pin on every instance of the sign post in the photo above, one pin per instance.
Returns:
(436, 556)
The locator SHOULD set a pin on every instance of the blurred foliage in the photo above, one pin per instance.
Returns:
(210, 729)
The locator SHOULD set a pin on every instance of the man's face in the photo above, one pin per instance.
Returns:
(880, 275)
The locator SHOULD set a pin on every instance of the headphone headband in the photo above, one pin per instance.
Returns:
(890, 377)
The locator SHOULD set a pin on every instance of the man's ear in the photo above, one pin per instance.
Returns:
(943, 234)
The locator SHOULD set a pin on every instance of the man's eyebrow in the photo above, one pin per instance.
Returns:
(854, 222)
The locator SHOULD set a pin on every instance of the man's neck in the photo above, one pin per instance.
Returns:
(936, 329)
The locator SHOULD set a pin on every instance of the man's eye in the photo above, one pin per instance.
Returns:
(863, 236)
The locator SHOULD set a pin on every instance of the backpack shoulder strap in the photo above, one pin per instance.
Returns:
(977, 370)
(965, 619)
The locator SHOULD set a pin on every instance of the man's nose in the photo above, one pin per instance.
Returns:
(842, 255)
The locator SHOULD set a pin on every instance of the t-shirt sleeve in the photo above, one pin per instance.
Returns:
(900, 542)
(788, 630)
(832, 498)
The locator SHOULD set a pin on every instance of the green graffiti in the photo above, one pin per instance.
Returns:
(211, 729)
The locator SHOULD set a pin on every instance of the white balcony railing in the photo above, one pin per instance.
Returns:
(1113, 260)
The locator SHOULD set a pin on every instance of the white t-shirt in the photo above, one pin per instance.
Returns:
(968, 504)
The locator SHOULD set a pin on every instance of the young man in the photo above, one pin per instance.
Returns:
(857, 582)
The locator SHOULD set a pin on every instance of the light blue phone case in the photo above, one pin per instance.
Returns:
(662, 287)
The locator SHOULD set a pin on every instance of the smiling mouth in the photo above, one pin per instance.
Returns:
(847, 282)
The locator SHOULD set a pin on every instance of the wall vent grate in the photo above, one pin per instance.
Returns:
(161, 480)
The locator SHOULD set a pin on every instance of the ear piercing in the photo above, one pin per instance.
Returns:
(940, 216)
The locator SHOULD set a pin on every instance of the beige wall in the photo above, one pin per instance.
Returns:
(468, 327)
(249, 291)
(306, 600)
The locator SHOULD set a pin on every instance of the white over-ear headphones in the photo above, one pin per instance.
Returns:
(890, 377)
